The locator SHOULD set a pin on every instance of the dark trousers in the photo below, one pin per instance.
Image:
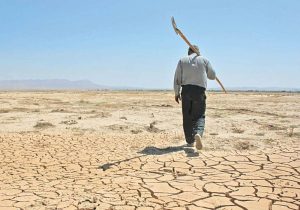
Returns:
(193, 111)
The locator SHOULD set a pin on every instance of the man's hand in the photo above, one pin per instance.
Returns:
(177, 98)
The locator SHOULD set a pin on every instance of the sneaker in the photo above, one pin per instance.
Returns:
(190, 145)
(198, 142)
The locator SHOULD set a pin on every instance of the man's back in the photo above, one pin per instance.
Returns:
(193, 70)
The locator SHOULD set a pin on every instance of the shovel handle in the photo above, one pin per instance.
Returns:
(220, 83)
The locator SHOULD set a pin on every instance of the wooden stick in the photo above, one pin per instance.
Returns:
(220, 83)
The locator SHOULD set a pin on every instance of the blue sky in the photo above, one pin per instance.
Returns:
(131, 42)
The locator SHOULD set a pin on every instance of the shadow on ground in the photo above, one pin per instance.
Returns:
(151, 150)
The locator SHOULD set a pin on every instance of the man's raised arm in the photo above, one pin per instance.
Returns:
(211, 74)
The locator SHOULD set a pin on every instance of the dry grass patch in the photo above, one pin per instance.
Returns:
(43, 125)
(136, 131)
(290, 131)
(243, 145)
(58, 110)
(4, 110)
(83, 102)
(116, 127)
(274, 127)
(269, 141)
(152, 128)
(101, 115)
(69, 122)
(237, 130)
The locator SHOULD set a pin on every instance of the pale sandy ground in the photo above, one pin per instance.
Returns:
(124, 150)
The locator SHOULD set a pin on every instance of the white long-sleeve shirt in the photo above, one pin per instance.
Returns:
(193, 70)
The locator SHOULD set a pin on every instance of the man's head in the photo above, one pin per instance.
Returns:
(191, 51)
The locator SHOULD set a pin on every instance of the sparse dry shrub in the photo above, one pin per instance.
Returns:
(83, 101)
(290, 131)
(237, 130)
(152, 128)
(69, 122)
(43, 125)
(136, 131)
(243, 145)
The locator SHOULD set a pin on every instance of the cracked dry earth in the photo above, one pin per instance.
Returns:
(100, 163)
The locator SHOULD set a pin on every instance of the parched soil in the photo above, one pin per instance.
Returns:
(127, 151)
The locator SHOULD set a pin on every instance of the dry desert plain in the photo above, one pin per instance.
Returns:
(125, 150)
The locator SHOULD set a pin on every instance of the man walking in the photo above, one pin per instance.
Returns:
(191, 80)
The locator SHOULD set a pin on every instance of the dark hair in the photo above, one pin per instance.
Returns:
(191, 51)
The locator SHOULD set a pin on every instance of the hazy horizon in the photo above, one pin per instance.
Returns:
(61, 84)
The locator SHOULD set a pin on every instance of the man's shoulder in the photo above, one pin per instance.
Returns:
(184, 58)
(187, 57)
(202, 58)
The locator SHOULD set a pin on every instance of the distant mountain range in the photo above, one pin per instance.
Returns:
(63, 84)
(52, 84)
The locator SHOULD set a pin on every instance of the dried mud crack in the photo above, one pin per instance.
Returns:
(124, 150)
(62, 172)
